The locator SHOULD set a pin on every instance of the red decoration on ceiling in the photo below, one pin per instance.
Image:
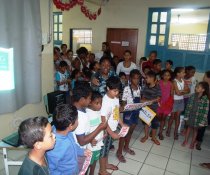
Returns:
(67, 5)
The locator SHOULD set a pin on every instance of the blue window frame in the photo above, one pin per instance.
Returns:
(57, 28)
(159, 20)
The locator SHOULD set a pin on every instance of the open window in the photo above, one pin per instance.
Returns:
(188, 29)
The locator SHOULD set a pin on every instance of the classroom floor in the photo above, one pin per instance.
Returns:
(170, 158)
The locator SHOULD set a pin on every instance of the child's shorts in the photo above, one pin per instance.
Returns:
(178, 106)
(107, 144)
(95, 156)
(154, 123)
(131, 118)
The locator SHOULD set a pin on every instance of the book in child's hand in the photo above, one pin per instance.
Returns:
(86, 164)
(123, 132)
(146, 115)
(135, 106)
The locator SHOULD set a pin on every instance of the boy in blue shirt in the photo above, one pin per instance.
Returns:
(63, 159)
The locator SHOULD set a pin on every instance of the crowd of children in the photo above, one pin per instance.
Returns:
(97, 90)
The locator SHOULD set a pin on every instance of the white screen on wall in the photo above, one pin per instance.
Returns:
(6, 69)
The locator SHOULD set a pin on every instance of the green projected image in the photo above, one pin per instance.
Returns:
(6, 69)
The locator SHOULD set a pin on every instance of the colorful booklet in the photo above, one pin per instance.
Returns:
(86, 164)
(135, 106)
(146, 115)
(123, 132)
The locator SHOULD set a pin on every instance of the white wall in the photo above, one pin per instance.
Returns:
(121, 14)
(8, 120)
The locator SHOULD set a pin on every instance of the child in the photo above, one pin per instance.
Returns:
(111, 114)
(131, 94)
(62, 78)
(94, 67)
(94, 116)
(36, 134)
(124, 83)
(169, 65)
(166, 100)
(180, 89)
(191, 82)
(151, 93)
(201, 131)
(92, 58)
(127, 65)
(63, 158)
(99, 79)
(82, 98)
(157, 67)
(70, 55)
(75, 76)
(196, 112)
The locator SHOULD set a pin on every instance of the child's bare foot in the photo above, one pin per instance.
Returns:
(121, 158)
(161, 136)
(144, 139)
(184, 143)
(129, 151)
(192, 145)
(168, 133)
(104, 173)
(155, 141)
(111, 167)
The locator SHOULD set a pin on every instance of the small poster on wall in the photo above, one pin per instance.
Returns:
(125, 43)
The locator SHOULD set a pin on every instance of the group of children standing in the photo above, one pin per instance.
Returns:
(89, 125)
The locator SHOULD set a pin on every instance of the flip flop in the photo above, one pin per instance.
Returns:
(112, 167)
(156, 141)
(104, 173)
(144, 139)
(121, 158)
(130, 151)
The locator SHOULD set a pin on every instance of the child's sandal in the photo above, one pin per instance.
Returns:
(184, 143)
(144, 139)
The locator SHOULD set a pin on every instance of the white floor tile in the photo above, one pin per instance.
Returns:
(196, 160)
(131, 166)
(161, 150)
(168, 141)
(181, 156)
(202, 153)
(178, 167)
(156, 161)
(199, 171)
(120, 173)
(178, 146)
(150, 170)
(143, 146)
(169, 173)
(140, 155)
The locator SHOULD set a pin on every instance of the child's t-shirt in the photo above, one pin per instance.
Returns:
(83, 127)
(94, 121)
(60, 77)
(30, 167)
(126, 70)
(110, 108)
(191, 83)
(128, 96)
(151, 93)
(63, 158)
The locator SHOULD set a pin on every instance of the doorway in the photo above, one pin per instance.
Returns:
(121, 40)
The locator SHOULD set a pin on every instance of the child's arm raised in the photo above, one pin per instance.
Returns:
(85, 139)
